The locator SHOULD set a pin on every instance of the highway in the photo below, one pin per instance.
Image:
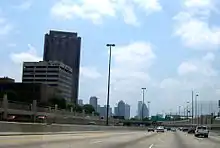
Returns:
(119, 139)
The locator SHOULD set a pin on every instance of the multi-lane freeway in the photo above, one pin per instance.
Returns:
(119, 139)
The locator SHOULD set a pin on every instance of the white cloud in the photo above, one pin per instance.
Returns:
(192, 25)
(130, 67)
(27, 56)
(97, 10)
(93, 10)
(149, 6)
(209, 57)
(129, 16)
(89, 72)
(186, 67)
(5, 26)
(193, 74)
(12, 45)
(198, 3)
(24, 5)
(198, 66)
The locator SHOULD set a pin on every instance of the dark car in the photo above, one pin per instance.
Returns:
(191, 130)
(168, 128)
(185, 129)
(150, 129)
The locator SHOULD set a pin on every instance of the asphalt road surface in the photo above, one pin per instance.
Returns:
(120, 139)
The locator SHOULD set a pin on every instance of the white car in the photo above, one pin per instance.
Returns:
(202, 131)
(160, 129)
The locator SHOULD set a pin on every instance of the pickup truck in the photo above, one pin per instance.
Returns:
(202, 131)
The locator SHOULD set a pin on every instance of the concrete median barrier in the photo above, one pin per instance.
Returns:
(40, 128)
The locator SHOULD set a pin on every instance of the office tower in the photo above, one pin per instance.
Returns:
(98, 108)
(65, 47)
(116, 111)
(139, 111)
(102, 112)
(94, 102)
(145, 111)
(127, 111)
(52, 73)
(121, 108)
(80, 102)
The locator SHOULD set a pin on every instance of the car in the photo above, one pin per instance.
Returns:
(160, 129)
(191, 130)
(180, 128)
(173, 129)
(202, 131)
(150, 129)
(168, 128)
(185, 129)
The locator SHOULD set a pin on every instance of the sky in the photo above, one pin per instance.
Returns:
(171, 47)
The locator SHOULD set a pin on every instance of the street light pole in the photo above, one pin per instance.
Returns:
(179, 110)
(109, 76)
(148, 104)
(196, 108)
(192, 105)
(187, 110)
(143, 90)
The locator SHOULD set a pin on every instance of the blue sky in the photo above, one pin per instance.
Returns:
(168, 46)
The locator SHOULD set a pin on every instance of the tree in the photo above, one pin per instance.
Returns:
(76, 107)
(146, 119)
(88, 108)
(96, 114)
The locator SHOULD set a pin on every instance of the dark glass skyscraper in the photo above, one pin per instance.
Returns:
(64, 47)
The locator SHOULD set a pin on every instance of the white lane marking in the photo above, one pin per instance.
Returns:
(159, 139)
(94, 142)
(151, 145)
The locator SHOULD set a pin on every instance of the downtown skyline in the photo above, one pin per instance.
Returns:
(154, 47)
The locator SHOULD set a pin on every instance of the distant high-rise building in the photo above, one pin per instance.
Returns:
(121, 108)
(145, 111)
(80, 102)
(127, 111)
(116, 111)
(53, 73)
(94, 102)
(103, 111)
(139, 111)
(142, 110)
(65, 47)
(98, 108)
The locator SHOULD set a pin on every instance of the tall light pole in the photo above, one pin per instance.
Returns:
(192, 105)
(109, 76)
(187, 110)
(143, 90)
(179, 110)
(196, 108)
(148, 104)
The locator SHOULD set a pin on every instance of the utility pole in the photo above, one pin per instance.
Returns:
(143, 90)
(196, 108)
(192, 106)
(109, 76)
(148, 104)
(201, 114)
(187, 109)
